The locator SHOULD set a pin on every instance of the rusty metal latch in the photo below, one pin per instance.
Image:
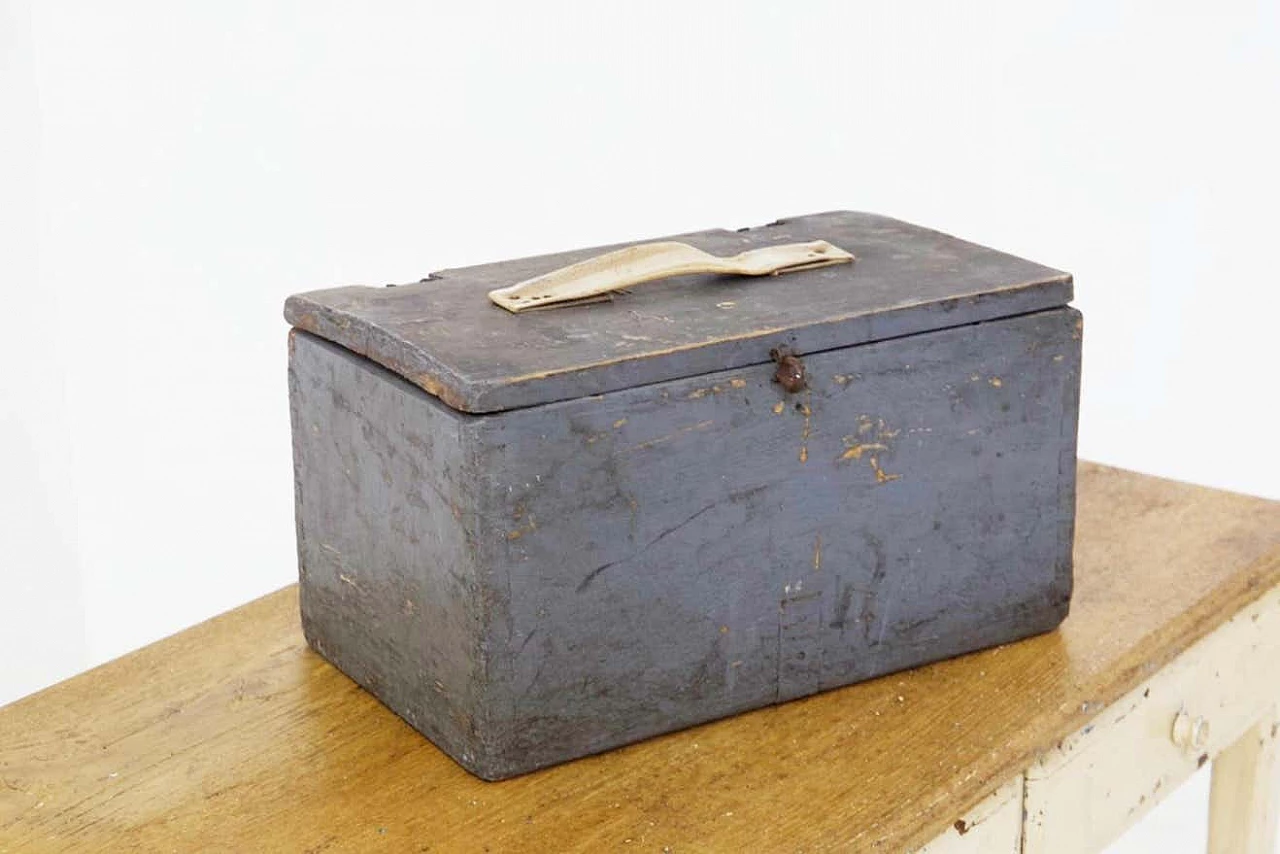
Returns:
(599, 276)
(791, 373)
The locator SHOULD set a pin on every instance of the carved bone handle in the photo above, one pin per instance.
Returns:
(647, 262)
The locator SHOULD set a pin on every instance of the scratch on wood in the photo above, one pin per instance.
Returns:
(526, 640)
(698, 393)
(634, 507)
(807, 429)
(701, 425)
(591, 576)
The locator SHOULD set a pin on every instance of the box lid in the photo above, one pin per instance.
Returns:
(444, 335)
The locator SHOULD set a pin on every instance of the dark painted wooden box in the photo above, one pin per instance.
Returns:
(538, 536)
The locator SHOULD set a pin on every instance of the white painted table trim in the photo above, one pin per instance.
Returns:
(1218, 702)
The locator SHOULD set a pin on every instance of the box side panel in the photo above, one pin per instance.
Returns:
(1067, 461)
(384, 556)
(665, 555)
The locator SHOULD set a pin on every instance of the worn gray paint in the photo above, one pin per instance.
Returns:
(387, 575)
(540, 584)
(445, 336)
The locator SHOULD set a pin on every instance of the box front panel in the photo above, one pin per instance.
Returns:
(669, 554)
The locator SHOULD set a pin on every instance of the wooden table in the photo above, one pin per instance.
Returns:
(232, 736)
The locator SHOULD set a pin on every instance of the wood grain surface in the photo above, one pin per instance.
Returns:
(232, 736)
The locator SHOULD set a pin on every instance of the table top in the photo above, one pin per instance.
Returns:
(233, 736)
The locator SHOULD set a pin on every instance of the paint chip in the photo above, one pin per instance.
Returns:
(881, 477)
(855, 452)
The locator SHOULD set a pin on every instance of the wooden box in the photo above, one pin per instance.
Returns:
(537, 536)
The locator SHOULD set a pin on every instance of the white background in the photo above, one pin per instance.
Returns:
(171, 171)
